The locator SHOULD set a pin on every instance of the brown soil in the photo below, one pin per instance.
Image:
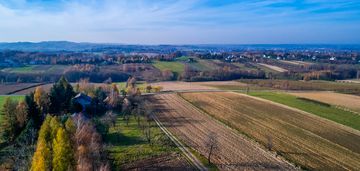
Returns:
(305, 139)
(234, 152)
(173, 161)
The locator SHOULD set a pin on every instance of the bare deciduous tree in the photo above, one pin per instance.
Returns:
(211, 144)
(269, 142)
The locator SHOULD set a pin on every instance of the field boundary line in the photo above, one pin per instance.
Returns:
(194, 160)
(255, 143)
(347, 128)
(36, 85)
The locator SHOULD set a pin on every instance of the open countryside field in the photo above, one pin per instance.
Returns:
(302, 63)
(13, 87)
(351, 102)
(47, 87)
(304, 139)
(197, 64)
(129, 150)
(192, 127)
(37, 69)
(179, 85)
(348, 88)
(272, 67)
(176, 67)
(317, 108)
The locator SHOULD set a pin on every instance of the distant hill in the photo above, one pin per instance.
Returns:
(101, 47)
(48, 46)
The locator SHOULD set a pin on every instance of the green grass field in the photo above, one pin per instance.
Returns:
(24, 69)
(329, 112)
(176, 67)
(37, 69)
(127, 143)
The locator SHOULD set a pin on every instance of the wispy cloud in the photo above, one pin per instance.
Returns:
(177, 21)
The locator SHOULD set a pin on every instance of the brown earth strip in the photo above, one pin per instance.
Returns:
(192, 126)
(304, 139)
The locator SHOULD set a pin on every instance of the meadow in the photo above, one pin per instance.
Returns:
(126, 143)
(175, 67)
(37, 69)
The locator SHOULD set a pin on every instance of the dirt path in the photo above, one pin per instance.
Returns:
(192, 127)
(184, 149)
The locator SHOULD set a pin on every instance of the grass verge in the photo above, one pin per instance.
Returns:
(127, 143)
(326, 111)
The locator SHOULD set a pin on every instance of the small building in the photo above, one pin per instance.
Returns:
(83, 100)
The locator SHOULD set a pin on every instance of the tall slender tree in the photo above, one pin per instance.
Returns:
(60, 97)
(63, 155)
(33, 110)
(42, 158)
(9, 123)
(41, 99)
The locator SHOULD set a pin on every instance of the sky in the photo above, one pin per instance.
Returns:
(182, 21)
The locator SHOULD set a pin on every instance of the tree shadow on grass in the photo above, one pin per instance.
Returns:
(118, 139)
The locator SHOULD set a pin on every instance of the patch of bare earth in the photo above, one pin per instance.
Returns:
(192, 127)
(173, 161)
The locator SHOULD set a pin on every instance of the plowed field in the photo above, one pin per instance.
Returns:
(345, 100)
(305, 139)
(234, 152)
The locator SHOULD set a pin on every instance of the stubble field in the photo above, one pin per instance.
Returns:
(304, 139)
(344, 100)
(192, 126)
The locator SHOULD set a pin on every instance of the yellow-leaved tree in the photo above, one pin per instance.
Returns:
(40, 161)
(63, 156)
(42, 156)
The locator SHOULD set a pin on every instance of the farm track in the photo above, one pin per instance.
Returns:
(303, 138)
(195, 162)
(192, 126)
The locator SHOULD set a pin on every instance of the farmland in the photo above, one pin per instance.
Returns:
(179, 85)
(128, 149)
(342, 100)
(329, 112)
(37, 69)
(274, 68)
(304, 139)
(348, 88)
(14, 87)
(176, 67)
(192, 126)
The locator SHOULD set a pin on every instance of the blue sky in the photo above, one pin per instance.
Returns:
(181, 21)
